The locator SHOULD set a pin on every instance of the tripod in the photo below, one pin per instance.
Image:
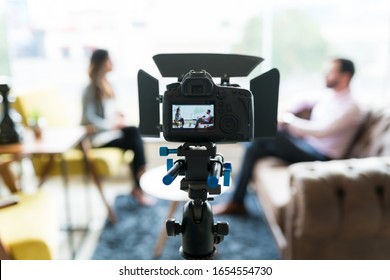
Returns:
(202, 168)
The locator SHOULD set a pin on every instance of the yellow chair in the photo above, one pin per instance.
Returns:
(29, 224)
(57, 112)
(29, 229)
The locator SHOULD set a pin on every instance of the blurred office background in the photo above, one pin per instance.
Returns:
(46, 43)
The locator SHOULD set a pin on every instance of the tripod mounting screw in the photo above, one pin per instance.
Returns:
(173, 227)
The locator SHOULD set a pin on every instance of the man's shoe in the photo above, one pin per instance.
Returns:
(230, 208)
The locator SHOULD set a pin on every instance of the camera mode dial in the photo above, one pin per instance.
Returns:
(229, 124)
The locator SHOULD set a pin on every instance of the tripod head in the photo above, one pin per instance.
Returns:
(202, 168)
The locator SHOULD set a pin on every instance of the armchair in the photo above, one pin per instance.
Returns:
(337, 209)
(50, 106)
(29, 228)
(57, 113)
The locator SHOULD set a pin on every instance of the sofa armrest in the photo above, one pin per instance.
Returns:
(339, 199)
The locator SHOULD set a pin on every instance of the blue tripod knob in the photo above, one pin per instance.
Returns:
(164, 151)
(226, 174)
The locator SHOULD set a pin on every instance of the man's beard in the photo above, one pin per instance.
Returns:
(332, 84)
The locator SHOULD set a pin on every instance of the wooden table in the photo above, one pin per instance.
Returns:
(57, 141)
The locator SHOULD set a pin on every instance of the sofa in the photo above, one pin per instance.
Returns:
(339, 209)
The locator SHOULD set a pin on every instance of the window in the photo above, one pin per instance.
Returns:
(50, 41)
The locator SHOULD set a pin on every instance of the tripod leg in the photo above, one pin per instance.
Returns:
(163, 234)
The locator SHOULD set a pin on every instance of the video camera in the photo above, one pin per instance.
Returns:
(200, 113)
(236, 114)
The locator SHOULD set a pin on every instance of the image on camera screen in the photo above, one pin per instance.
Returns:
(193, 117)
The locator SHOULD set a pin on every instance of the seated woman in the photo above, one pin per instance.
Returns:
(99, 111)
(178, 121)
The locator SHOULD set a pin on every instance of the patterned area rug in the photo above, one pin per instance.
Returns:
(134, 236)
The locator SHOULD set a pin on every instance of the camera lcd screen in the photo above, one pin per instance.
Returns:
(193, 117)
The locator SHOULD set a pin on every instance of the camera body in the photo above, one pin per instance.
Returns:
(198, 110)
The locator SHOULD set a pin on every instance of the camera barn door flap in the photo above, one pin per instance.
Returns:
(149, 105)
(217, 65)
(265, 90)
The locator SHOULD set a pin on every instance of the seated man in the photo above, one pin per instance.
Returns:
(326, 135)
(206, 119)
